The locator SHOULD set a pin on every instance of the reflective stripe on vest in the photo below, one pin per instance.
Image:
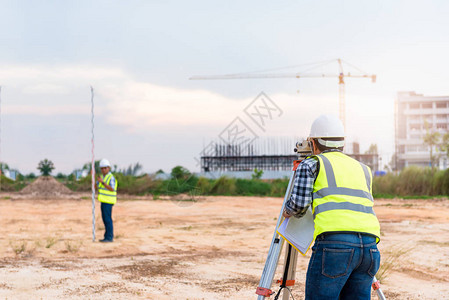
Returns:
(332, 185)
(342, 199)
(105, 195)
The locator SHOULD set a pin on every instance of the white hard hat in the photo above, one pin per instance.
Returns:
(327, 126)
(104, 163)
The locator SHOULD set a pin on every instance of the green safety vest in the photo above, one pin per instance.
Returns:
(105, 195)
(342, 196)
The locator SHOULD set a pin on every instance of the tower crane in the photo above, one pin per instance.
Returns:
(341, 75)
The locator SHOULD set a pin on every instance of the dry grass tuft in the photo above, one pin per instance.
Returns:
(19, 247)
(391, 261)
(50, 242)
(72, 246)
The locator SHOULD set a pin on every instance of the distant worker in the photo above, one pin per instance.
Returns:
(345, 257)
(107, 195)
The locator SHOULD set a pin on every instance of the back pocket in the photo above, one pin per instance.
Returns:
(375, 262)
(336, 262)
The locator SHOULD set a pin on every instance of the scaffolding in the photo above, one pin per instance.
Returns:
(240, 158)
(247, 163)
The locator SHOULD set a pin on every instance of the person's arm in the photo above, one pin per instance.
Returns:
(105, 184)
(301, 196)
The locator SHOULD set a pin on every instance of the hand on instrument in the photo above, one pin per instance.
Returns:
(285, 215)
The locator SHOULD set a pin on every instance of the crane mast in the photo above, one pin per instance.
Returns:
(341, 95)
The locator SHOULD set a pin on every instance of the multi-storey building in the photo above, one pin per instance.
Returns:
(415, 116)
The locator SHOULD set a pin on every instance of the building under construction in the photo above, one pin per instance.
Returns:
(267, 155)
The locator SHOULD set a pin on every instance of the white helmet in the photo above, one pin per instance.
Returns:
(328, 126)
(104, 163)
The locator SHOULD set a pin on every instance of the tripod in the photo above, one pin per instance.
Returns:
(290, 259)
(291, 255)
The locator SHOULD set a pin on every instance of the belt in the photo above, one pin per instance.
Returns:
(323, 235)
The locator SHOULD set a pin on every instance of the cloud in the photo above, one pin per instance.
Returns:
(37, 110)
(54, 90)
(136, 104)
(46, 88)
(141, 106)
(66, 75)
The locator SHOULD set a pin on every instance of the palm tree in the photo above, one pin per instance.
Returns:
(45, 167)
(445, 143)
(372, 149)
(432, 139)
(3, 166)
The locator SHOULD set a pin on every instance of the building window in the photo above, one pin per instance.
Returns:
(415, 126)
(414, 105)
(423, 148)
(441, 126)
(427, 105)
(441, 104)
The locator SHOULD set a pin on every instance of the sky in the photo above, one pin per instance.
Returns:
(139, 55)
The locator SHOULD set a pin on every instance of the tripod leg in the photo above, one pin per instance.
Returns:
(376, 287)
(290, 280)
(266, 280)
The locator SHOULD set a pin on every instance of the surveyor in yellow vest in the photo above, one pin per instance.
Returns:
(107, 195)
(338, 188)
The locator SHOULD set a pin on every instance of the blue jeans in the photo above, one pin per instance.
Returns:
(342, 266)
(106, 215)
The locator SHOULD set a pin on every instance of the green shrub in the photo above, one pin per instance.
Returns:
(412, 182)
(415, 181)
(84, 184)
(248, 187)
(127, 184)
(140, 185)
(385, 185)
(175, 186)
(278, 187)
(257, 174)
(9, 185)
(224, 186)
(180, 172)
(441, 183)
(204, 185)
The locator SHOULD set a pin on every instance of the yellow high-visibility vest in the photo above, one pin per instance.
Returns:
(342, 196)
(105, 195)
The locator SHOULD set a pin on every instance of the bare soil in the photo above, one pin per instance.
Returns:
(214, 248)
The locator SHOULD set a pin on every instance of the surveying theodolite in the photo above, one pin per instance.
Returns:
(291, 255)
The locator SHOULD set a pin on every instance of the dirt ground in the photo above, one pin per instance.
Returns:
(214, 248)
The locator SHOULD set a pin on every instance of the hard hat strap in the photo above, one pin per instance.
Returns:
(331, 144)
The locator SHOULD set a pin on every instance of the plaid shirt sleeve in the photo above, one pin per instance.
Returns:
(112, 182)
(301, 196)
